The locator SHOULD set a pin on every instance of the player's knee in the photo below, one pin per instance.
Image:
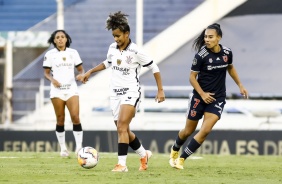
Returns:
(122, 129)
(60, 119)
(75, 119)
(186, 132)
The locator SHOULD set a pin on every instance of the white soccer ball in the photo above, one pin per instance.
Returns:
(88, 157)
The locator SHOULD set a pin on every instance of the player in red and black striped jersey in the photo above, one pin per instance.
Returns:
(208, 77)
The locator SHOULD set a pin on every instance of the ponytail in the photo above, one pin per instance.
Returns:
(200, 42)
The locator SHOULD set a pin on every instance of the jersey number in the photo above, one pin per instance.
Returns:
(197, 101)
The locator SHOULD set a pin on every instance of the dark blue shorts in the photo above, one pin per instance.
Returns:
(197, 107)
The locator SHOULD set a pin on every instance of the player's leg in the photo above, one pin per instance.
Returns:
(194, 113)
(210, 120)
(73, 107)
(182, 136)
(134, 142)
(59, 107)
(136, 145)
(126, 113)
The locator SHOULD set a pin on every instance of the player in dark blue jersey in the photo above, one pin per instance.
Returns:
(208, 77)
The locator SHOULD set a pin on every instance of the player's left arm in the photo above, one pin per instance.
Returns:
(160, 96)
(146, 61)
(80, 71)
(234, 75)
(155, 69)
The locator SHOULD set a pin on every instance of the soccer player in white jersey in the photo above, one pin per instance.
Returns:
(207, 76)
(59, 64)
(125, 59)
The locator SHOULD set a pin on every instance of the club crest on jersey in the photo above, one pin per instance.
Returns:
(210, 60)
(118, 62)
(193, 113)
(225, 58)
(64, 58)
(45, 58)
(128, 59)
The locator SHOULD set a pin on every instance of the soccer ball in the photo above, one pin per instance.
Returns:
(87, 157)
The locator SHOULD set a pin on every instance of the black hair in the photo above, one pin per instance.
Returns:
(119, 21)
(52, 37)
(199, 42)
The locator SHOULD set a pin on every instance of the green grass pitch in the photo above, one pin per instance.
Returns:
(28, 167)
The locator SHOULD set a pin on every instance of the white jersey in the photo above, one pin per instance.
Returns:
(62, 64)
(126, 66)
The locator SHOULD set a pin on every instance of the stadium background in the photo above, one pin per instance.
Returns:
(250, 29)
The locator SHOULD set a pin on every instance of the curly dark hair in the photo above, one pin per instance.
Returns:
(119, 21)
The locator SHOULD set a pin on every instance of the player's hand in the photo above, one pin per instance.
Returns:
(207, 97)
(79, 77)
(244, 92)
(160, 96)
(85, 77)
(55, 83)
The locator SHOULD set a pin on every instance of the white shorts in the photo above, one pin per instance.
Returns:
(64, 97)
(117, 101)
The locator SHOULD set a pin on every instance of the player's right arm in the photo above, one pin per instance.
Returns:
(195, 69)
(47, 65)
(47, 74)
(98, 68)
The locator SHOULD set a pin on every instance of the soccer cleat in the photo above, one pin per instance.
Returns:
(120, 168)
(179, 163)
(173, 157)
(144, 161)
(64, 153)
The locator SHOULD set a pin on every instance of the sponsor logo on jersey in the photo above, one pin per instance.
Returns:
(209, 67)
(64, 64)
(128, 59)
(121, 69)
(65, 86)
(118, 62)
(217, 58)
(121, 91)
(225, 58)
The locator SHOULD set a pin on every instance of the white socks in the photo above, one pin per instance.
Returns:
(61, 140)
(141, 151)
(122, 160)
(78, 136)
